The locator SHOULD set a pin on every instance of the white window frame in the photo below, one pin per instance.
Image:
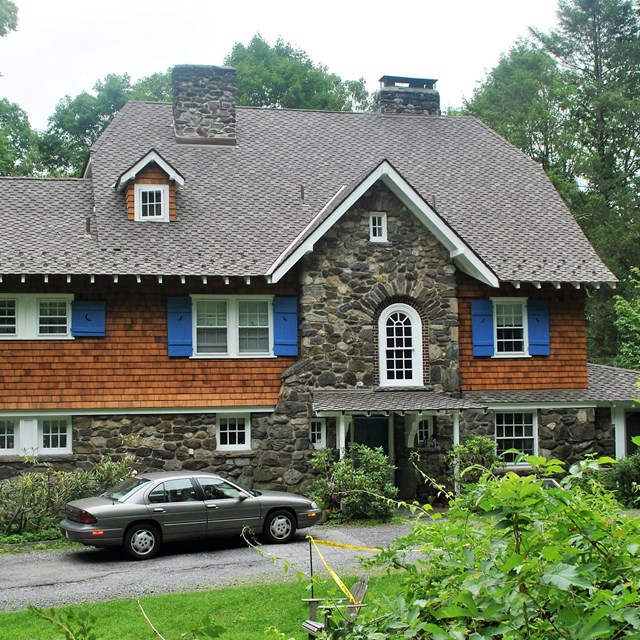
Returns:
(27, 326)
(233, 326)
(246, 445)
(525, 328)
(424, 432)
(29, 436)
(378, 226)
(318, 433)
(417, 377)
(533, 438)
(139, 189)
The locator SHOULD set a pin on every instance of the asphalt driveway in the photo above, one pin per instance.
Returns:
(84, 574)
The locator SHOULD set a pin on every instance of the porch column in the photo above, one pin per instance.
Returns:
(341, 434)
(456, 440)
(620, 431)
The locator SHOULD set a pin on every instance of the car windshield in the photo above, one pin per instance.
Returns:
(125, 489)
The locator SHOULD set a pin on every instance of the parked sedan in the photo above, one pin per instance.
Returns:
(149, 509)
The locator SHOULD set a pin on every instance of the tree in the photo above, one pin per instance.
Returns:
(77, 122)
(18, 142)
(283, 76)
(8, 17)
(628, 323)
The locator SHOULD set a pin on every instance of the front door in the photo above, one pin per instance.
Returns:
(372, 432)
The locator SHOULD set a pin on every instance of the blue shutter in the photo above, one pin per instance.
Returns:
(88, 318)
(179, 327)
(538, 318)
(285, 326)
(482, 327)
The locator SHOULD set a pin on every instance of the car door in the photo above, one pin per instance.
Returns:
(229, 509)
(177, 507)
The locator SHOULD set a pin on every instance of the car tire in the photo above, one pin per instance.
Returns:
(142, 541)
(279, 527)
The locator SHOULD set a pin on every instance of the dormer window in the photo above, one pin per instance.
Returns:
(152, 202)
(377, 226)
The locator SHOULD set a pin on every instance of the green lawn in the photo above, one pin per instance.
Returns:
(245, 612)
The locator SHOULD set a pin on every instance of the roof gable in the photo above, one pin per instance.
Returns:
(151, 157)
(459, 251)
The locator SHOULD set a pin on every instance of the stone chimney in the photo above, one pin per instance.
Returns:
(204, 104)
(414, 96)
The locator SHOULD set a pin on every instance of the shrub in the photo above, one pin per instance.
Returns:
(471, 458)
(528, 563)
(624, 480)
(34, 501)
(357, 486)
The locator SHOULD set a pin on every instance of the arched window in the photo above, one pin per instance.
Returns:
(400, 347)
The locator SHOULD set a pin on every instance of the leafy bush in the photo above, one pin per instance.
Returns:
(528, 563)
(34, 501)
(624, 480)
(471, 458)
(357, 486)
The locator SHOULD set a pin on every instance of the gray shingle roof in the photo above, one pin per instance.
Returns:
(241, 206)
(606, 385)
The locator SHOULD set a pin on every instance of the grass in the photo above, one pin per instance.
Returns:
(244, 612)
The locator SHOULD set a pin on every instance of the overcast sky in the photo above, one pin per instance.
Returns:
(62, 47)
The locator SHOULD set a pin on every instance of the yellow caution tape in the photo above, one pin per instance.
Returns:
(327, 543)
(343, 587)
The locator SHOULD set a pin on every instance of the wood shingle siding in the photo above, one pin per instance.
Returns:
(564, 368)
(152, 174)
(129, 367)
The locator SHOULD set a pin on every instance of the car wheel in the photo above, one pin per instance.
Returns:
(280, 527)
(142, 541)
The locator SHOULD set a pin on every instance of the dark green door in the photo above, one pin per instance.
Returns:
(373, 432)
(633, 429)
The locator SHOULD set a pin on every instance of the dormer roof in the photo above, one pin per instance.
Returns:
(150, 157)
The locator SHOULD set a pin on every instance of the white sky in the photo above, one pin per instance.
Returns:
(62, 47)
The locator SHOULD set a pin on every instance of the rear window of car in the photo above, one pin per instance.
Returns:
(126, 488)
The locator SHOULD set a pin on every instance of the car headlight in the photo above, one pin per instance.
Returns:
(314, 506)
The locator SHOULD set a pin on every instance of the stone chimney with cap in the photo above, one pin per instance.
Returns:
(413, 96)
(204, 104)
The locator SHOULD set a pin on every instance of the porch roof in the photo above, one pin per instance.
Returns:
(386, 400)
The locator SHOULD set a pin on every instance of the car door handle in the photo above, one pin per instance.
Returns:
(158, 510)
(212, 506)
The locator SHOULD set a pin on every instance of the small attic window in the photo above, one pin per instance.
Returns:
(152, 202)
(377, 226)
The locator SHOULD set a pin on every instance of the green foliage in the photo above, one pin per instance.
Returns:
(78, 122)
(34, 501)
(628, 324)
(470, 459)
(8, 17)
(18, 142)
(514, 560)
(283, 76)
(76, 624)
(357, 486)
(624, 480)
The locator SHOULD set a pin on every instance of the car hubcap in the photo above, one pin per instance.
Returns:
(143, 542)
(281, 527)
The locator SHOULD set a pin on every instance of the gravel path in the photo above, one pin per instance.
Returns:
(54, 578)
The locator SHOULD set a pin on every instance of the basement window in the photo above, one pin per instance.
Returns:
(152, 202)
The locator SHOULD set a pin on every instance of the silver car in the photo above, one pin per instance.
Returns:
(149, 509)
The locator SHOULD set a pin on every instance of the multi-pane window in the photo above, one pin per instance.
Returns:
(378, 227)
(233, 326)
(54, 434)
(7, 434)
(53, 317)
(35, 436)
(400, 338)
(510, 326)
(7, 317)
(426, 437)
(233, 432)
(515, 431)
(253, 326)
(152, 202)
(211, 326)
(318, 433)
(32, 316)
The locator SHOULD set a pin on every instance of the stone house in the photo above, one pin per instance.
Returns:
(229, 288)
